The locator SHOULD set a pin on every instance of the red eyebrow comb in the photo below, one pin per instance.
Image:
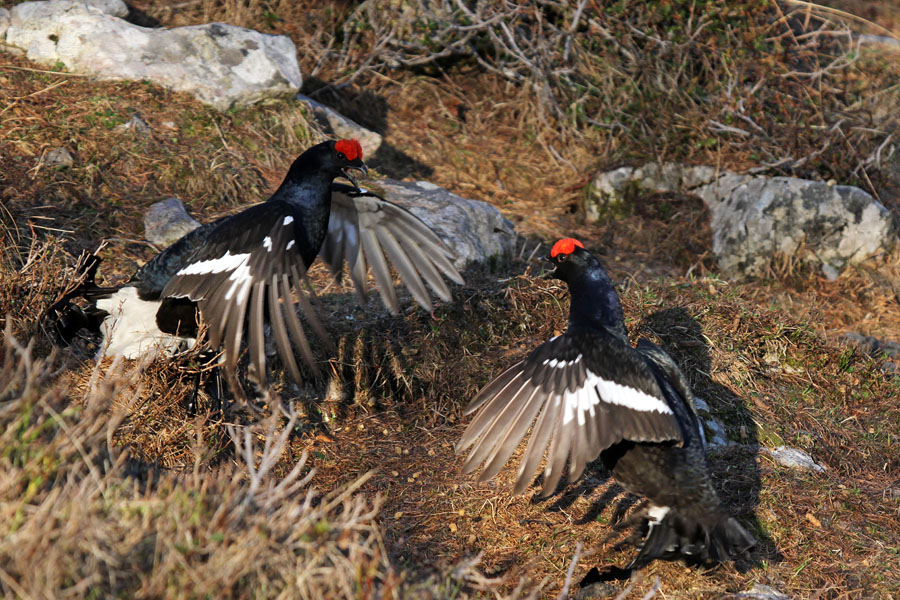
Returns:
(565, 246)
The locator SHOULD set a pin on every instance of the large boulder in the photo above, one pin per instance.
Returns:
(475, 231)
(221, 65)
(754, 218)
(757, 218)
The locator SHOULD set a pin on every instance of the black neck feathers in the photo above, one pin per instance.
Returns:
(595, 303)
(307, 188)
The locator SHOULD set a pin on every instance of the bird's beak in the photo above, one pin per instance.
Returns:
(550, 268)
(347, 171)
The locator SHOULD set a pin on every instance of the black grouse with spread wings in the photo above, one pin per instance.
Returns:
(589, 393)
(243, 272)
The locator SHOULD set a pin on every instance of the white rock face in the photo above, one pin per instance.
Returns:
(4, 22)
(221, 65)
(756, 218)
(340, 126)
(475, 231)
(167, 221)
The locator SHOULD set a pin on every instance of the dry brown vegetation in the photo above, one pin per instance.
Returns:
(108, 486)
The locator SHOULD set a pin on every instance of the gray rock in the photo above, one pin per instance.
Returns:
(221, 65)
(701, 404)
(136, 124)
(611, 187)
(44, 9)
(693, 176)
(872, 345)
(607, 190)
(830, 272)
(475, 231)
(58, 157)
(868, 38)
(716, 436)
(4, 22)
(340, 126)
(760, 591)
(598, 591)
(754, 219)
(795, 458)
(763, 217)
(713, 430)
(167, 221)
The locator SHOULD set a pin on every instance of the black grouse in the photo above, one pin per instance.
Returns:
(588, 392)
(240, 270)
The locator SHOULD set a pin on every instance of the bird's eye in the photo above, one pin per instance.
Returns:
(341, 156)
(562, 257)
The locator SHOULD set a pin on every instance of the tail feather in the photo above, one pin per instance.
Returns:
(67, 318)
(697, 539)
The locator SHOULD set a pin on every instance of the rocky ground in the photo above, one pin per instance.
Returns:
(120, 491)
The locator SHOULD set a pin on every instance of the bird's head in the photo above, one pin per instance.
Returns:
(570, 259)
(333, 158)
(347, 156)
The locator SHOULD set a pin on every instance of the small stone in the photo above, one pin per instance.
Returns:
(701, 404)
(136, 124)
(398, 514)
(453, 528)
(868, 38)
(168, 221)
(717, 437)
(59, 157)
(598, 591)
(762, 592)
(398, 450)
(872, 346)
(795, 458)
(830, 272)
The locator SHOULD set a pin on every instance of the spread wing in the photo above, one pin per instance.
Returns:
(365, 228)
(244, 273)
(582, 395)
(675, 377)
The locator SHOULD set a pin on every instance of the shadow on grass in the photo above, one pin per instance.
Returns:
(734, 468)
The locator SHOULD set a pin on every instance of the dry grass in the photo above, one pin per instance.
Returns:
(105, 524)
(107, 474)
